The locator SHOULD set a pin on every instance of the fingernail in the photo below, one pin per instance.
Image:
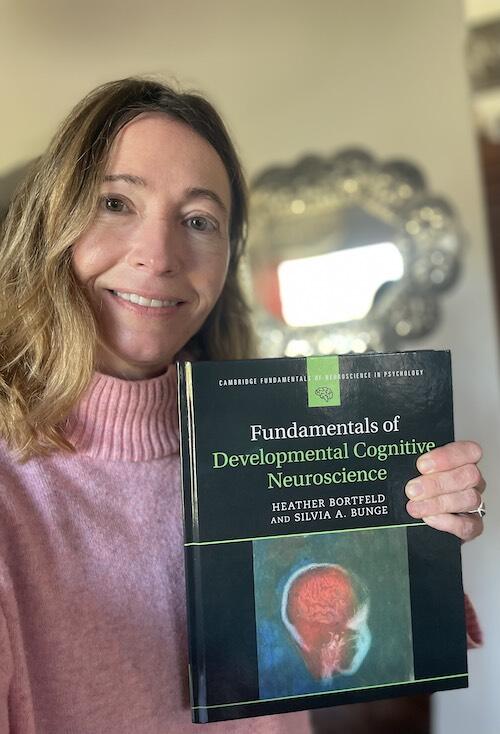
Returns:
(425, 464)
(414, 489)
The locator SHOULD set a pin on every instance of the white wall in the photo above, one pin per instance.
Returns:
(291, 77)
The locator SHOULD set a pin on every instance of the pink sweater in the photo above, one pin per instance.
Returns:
(92, 602)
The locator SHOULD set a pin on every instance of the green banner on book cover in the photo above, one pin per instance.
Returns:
(323, 383)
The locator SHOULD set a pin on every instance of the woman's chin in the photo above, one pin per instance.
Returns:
(133, 368)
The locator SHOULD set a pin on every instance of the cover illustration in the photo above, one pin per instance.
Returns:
(308, 583)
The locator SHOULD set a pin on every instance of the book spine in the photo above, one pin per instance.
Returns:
(192, 559)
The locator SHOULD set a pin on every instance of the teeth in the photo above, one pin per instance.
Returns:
(150, 302)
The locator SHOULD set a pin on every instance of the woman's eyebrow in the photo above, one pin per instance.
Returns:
(197, 192)
(127, 177)
(194, 192)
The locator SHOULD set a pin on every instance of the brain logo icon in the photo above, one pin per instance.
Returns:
(325, 609)
(325, 393)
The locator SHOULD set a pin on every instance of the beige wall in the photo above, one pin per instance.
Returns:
(290, 77)
(481, 11)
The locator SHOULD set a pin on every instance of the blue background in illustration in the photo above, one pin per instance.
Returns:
(379, 559)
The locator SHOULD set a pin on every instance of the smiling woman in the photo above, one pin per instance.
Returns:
(154, 260)
(120, 252)
(140, 194)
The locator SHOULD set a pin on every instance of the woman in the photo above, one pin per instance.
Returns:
(121, 250)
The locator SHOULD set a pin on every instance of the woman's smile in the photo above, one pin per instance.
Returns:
(146, 306)
(150, 302)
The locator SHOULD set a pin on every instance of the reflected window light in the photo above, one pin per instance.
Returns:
(298, 348)
(336, 287)
(298, 206)
(326, 345)
(403, 328)
(359, 345)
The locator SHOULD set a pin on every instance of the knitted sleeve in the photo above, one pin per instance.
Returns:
(474, 632)
(6, 668)
(16, 710)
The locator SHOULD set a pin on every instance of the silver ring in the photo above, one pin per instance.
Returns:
(481, 510)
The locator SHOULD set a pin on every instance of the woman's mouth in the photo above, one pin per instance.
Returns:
(142, 301)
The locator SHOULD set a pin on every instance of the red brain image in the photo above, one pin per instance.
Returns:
(323, 595)
(325, 616)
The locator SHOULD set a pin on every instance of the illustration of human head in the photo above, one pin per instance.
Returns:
(325, 609)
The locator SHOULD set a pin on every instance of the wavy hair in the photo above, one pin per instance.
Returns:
(48, 333)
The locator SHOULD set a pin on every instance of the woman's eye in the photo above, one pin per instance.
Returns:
(201, 224)
(112, 204)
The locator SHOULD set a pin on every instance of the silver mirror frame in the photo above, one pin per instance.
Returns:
(289, 204)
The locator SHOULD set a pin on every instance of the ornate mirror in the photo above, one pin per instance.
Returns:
(347, 254)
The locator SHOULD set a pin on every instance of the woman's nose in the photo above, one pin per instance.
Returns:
(157, 249)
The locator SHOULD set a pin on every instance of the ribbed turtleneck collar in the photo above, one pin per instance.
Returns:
(125, 420)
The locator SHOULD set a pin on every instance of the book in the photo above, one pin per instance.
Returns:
(308, 583)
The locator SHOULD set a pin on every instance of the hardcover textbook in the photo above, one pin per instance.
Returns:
(308, 583)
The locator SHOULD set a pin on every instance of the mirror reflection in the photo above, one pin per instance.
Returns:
(348, 254)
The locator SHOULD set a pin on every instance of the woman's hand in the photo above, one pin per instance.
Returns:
(450, 484)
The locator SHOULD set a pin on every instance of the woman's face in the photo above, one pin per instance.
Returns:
(155, 258)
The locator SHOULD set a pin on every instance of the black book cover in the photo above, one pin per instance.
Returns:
(308, 583)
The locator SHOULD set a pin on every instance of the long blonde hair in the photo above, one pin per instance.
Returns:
(48, 333)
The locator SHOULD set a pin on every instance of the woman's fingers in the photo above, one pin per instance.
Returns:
(449, 489)
(465, 527)
(466, 500)
(450, 456)
(431, 486)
